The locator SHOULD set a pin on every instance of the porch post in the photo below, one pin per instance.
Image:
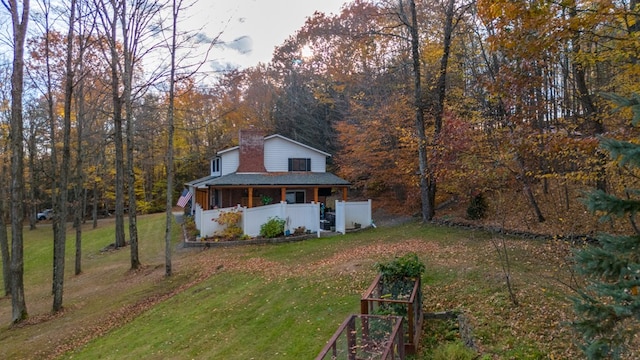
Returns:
(250, 201)
(315, 194)
(283, 194)
(344, 194)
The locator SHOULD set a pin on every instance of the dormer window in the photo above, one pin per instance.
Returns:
(215, 166)
(299, 164)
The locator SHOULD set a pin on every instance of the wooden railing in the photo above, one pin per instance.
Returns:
(366, 337)
(379, 299)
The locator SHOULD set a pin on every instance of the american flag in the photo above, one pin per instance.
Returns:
(184, 198)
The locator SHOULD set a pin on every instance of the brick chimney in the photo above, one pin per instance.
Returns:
(251, 151)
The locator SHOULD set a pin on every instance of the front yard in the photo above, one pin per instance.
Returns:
(286, 300)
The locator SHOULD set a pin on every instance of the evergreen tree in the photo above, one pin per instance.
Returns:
(608, 308)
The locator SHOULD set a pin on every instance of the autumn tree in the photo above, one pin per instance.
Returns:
(340, 87)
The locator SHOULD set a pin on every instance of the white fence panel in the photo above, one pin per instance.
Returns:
(307, 215)
(206, 220)
(350, 213)
(296, 215)
(340, 217)
(358, 212)
(197, 216)
(255, 217)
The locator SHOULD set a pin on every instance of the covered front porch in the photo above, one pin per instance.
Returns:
(302, 199)
(252, 190)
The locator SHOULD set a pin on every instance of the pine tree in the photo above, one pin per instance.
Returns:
(608, 308)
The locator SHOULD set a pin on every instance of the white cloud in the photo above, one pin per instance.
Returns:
(257, 26)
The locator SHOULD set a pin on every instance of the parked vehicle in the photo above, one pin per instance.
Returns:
(45, 214)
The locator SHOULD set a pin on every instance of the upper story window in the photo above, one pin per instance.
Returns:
(299, 164)
(215, 166)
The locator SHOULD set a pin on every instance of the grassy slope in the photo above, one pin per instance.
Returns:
(104, 287)
(285, 301)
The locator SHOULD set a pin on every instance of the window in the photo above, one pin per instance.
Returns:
(295, 197)
(299, 164)
(215, 165)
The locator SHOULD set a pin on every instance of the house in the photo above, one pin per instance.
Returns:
(271, 176)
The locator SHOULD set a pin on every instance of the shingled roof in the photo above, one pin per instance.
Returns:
(272, 179)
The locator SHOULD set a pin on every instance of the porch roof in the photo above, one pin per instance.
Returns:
(272, 179)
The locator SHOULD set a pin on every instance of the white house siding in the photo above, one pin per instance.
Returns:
(229, 162)
(278, 151)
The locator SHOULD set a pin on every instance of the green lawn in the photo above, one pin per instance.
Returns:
(285, 301)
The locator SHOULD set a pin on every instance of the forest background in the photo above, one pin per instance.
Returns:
(465, 101)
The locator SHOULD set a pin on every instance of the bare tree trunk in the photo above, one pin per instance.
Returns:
(60, 237)
(170, 124)
(117, 120)
(34, 203)
(444, 63)
(110, 24)
(53, 134)
(80, 193)
(4, 238)
(94, 207)
(428, 203)
(19, 22)
(526, 187)
(441, 87)
(596, 127)
(127, 78)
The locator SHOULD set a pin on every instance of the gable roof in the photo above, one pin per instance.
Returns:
(277, 136)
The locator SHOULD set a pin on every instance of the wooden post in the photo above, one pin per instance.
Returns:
(344, 194)
(250, 200)
(315, 194)
(352, 339)
(283, 194)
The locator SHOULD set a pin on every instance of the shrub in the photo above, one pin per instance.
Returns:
(190, 227)
(406, 266)
(274, 227)
(232, 221)
(453, 351)
(477, 208)
(266, 200)
(397, 281)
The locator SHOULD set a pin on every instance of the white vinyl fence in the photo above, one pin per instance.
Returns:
(348, 214)
(295, 215)
(206, 220)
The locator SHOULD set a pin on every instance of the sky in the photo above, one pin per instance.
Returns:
(252, 29)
